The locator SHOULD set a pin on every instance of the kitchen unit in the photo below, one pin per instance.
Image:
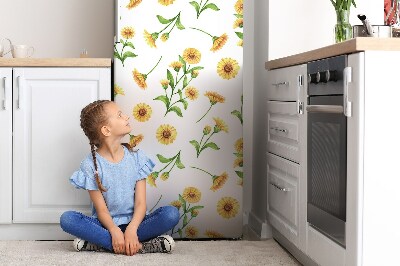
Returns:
(360, 120)
(41, 141)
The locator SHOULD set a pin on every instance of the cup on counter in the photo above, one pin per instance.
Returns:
(22, 51)
(2, 47)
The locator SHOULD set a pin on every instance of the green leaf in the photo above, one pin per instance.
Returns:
(239, 173)
(163, 159)
(180, 232)
(183, 201)
(210, 6)
(238, 15)
(129, 44)
(185, 82)
(197, 68)
(116, 55)
(164, 99)
(211, 145)
(185, 222)
(238, 115)
(184, 64)
(180, 94)
(179, 24)
(178, 163)
(128, 54)
(164, 20)
(177, 110)
(195, 144)
(185, 103)
(239, 34)
(238, 154)
(195, 208)
(195, 5)
(170, 78)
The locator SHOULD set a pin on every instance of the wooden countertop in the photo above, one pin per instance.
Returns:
(55, 62)
(348, 47)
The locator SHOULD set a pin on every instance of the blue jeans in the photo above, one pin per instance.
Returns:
(90, 229)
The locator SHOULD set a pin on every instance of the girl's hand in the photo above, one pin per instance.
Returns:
(118, 241)
(132, 244)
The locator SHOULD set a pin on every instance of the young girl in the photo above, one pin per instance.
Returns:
(115, 177)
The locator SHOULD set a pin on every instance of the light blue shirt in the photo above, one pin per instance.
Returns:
(118, 178)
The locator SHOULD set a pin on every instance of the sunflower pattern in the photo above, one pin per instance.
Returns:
(178, 74)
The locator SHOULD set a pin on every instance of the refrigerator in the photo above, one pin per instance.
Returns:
(178, 74)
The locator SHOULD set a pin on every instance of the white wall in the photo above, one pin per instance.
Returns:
(60, 28)
(301, 25)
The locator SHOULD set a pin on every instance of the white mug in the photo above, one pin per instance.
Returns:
(2, 46)
(21, 51)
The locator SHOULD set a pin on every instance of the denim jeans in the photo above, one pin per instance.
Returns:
(90, 229)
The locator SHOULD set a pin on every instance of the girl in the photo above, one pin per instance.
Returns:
(115, 177)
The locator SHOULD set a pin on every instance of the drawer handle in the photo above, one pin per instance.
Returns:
(280, 129)
(279, 187)
(5, 94)
(284, 83)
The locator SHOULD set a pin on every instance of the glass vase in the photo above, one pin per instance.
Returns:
(343, 30)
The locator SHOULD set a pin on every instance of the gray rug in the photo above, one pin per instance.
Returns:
(241, 252)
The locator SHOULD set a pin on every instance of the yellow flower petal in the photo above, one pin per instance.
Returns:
(219, 42)
(228, 68)
(228, 207)
(139, 78)
(191, 195)
(142, 112)
(133, 4)
(191, 55)
(166, 134)
(127, 32)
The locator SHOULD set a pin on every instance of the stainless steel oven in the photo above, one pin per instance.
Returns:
(327, 148)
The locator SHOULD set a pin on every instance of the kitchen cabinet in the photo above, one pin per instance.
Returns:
(285, 122)
(42, 144)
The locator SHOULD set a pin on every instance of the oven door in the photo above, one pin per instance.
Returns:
(326, 166)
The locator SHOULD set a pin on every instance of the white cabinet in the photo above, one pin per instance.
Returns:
(285, 127)
(48, 144)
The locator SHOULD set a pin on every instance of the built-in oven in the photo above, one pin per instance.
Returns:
(327, 148)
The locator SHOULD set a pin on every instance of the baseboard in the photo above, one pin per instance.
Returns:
(260, 228)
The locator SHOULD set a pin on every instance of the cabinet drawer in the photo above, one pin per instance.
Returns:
(283, 196)
(283, 83)
(283, 130)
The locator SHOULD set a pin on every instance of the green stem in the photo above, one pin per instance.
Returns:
(204, 114)
(202, 31)
(156, 204)
(154, 66)
(202, 170)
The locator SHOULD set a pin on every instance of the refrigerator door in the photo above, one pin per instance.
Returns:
(178, 73)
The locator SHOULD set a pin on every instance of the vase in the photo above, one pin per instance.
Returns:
(343, 29)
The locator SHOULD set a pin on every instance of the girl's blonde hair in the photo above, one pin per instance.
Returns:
(93, 117)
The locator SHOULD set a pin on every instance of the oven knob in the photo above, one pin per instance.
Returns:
(332, 75)
(314, 78)
(324, 76)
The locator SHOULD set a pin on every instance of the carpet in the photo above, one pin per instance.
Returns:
(221, 252)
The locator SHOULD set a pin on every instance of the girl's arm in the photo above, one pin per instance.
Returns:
(104, 217)
(132, 244)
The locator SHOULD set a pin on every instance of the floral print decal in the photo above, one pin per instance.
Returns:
(140, 78)
(200, 7)
(127, 33)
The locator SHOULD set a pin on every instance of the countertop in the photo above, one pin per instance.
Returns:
(348, 47)
(55, 62)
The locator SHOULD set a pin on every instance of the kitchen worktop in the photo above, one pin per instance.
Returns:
(55, 62)
(348, 47)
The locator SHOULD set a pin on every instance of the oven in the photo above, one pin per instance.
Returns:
(327, 148)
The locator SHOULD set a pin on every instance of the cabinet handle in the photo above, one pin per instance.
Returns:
(5, 94)
(280, 129)
(20, 87)
(279, 187)
(286, 83)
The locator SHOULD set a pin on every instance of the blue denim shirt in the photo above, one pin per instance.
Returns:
(118, 178)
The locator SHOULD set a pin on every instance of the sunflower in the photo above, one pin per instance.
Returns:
(240, 43)
(195, 73)
(151, 179)
(177, 204)
(227, 207)
(150, 38)
(238, 162)
(220, 125)
(164, 37)
(127, 32)
(166, 2)
(191, 195)
(164, 83)
(219, 181)
(228, 68)
(142, 112)
(191, 55)
(240, 182)
(214, 97)
(219, 42)
(213, 234)
(238, 23)
(191, 232)
(135, 140)
(133, 3)
(166, 134)
(239, 145)
(164, 176)
(194, 212)
(118, 90)
(176, 65)
(139, 78)
(192, 93)
(206, 130)
(239, 7)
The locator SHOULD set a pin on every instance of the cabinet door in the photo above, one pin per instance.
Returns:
(5, 146)
(48, 141)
